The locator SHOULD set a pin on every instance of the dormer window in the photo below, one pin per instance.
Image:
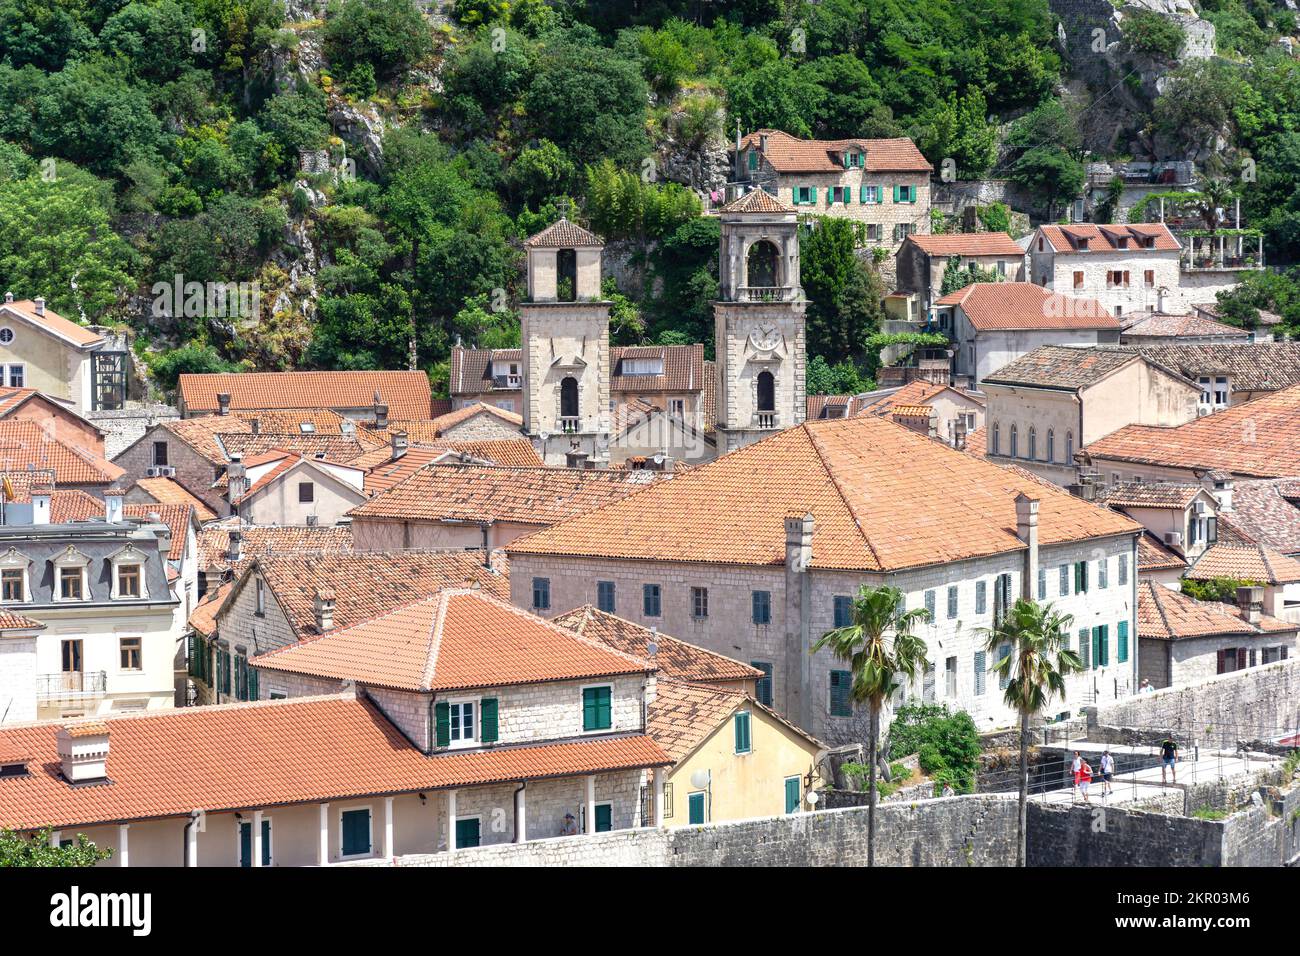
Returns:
(1148, 242)
(643, 366)
(128, 574)
(128, 580)
(1081, 243)
(70, 576)
(13, 577)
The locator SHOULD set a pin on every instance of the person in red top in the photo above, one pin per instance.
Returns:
(1085, 778)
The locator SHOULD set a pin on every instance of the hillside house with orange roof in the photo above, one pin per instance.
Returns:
(759, 553)
(884, 184)
(923, 260)
(1128, 268)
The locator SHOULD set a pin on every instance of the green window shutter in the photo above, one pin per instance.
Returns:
(442, 724)
(792, 795)
(862, 193)
(487, 710)
(1105, 644)
(604, 818)
(1085, 640)
(812, 195)
(596, 709)
(695, 807)
(253, 690)
(895, 194)
(742, 733)
(266, 842)
(1123, 641)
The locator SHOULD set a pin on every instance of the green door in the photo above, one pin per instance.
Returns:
(356, 832)
(791, 794)
(696, 805)
(246, 843)
(467, 833)
(604, 817)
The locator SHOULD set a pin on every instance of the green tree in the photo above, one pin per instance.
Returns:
(1031, 646)
(17, 849)
(842, 291)
(389, 35)
(1050, 173)
(168, 367)
(948, 742)
(956, 276)
(880, 648)
(958, 129)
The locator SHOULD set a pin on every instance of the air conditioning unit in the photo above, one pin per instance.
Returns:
(1174, 538)
(1200, 507)
(160, 471)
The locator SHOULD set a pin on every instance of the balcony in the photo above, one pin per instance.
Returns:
(570, 424)
(507, 381)
(71, 685)
(765, 293)
(765, 419)
(1234, 250)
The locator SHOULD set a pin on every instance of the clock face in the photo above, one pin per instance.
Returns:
(765, 337)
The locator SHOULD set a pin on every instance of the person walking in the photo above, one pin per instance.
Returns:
(1168, 759)
(1085, 779)
(1076, 770)
(1107, 773)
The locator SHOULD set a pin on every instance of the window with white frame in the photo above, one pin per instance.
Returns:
(129, 652)
(13, 577)
(16, 375)
(128, 574)
(70, 576)
(461, 724)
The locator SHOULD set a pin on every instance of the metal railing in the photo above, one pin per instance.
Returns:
(67, 684)
(507, 381)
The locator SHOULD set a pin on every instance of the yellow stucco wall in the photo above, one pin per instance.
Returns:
(743, 785)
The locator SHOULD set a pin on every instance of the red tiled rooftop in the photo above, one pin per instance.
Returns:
(406, 394)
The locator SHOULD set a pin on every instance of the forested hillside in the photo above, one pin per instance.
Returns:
(374, 165)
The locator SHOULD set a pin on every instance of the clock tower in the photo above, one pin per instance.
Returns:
(758, 322)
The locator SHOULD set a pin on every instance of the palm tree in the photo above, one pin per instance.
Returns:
(1030, 643)
(879, 647)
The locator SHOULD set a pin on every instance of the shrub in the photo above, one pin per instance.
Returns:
(947, 743)
(1147, 32)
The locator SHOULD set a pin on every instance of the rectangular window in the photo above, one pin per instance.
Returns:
(699, 603)
(597, 711)
(742, 732)
(843, 610)
(1085, 648)
(1149, 278)
(12, 579)
(952, 601)
(605, 596)
(650, 600)
(1080, 577)
(1103, 572)
(929, 603)
(695, 806)
(1042, 584)
(541, 594)
(1065, 580)
(1004, 677)
(981, 673)
(839, 194)
(17, 376)
(70, 584)
(753, 159)
(354, 827)
(950, 677)
(792, 795)
(1122, 639)
(128, 580)
(841, 704)
(761, 602)
(129, 653)
(160, 453)
(1078, 279)
(306, 492)
(461, 722)
(1101, 646)
(927, 684)
(261, 598)
(805, 195)
(1123, 569)
(870, 194)
(469, 833)
(763, 686)
(981, 597)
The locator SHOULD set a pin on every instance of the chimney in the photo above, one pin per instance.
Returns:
(40, 305)
(256, 425)
(9, 297)
(113, 504)
(324, 604)
(762, 143)
(932, 425)
(1027, 531)
(381, 413)
(235, 475)
(41, 492)
(83, 752)
(223, 403)
(398, 442)
(959, 433)
(798, 541)
(235, 546)
(1250, 604)
(1160, 299)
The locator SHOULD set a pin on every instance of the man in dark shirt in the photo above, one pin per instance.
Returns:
(1168, 757)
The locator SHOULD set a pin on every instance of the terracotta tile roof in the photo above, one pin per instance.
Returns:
(992, 306)
(1246, 562)
(1267, 512)
(455, 640)
(508, 452)
(1064, 239)
(832, 406)
(1252, 367)
(336, 448)
(1149, 494)
(676, 659)
(176, 517)
(914, 393)
(273, 753)
(64, 328)
(1164, 325)
(20, 483)
(368, 583)
(295, 421)
(1153, 555)
(563, 234)
(968, 244)
(1170, 615)
(13, 621)
(1255, 439)
(471, 369)
(25, 444)
(977, 443)
(756, 200)
(214, 542)
(406, 394)
(536, 496)
(389, 472)
(452, 419)
(168, 491)
(683, 368)
(881, 496)
(203, 619)
(1062, 367)
(684, 715)
(74, 505)
(1211, 310)
(788, 154)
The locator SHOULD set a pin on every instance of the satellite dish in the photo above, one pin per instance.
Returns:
(544, 435)
(700, 779)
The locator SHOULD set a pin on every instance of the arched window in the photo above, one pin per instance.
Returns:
(1069, 447)
(997, 439)
(1051, 445)
(766, 392)
(762, 265)
(1015, 443)
(566, 276)
(569, 397)
(1033, 444)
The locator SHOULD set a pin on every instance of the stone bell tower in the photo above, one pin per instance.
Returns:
(564, 327)
(759, 322)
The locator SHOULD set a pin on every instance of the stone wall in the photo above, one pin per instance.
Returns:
(1258, 702)
(1266, 835)
(1108, 836)
(122, 426)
